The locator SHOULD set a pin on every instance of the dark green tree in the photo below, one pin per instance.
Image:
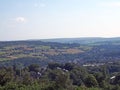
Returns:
(91, 81)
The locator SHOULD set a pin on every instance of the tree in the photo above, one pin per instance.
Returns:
(91, 81)
(117, 80)
(78, 74)
(69, 66)
(53, 65)
(34, 67)
(6, 75)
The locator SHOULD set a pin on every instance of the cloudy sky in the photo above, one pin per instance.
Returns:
(38, 19)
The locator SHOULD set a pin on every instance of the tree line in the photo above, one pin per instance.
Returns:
(56, 76)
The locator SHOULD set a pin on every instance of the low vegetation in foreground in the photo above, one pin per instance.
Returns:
(57, 76)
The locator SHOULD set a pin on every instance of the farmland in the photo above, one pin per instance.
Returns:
(45, 52)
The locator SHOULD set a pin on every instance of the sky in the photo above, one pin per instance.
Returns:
(44, 19)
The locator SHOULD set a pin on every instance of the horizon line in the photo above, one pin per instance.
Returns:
(57, 38)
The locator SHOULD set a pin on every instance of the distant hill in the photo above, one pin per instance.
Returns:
(87, 40)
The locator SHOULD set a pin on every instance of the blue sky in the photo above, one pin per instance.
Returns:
(38, 19)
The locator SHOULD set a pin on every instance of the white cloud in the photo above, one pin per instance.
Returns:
(110, 4)
(20, 19)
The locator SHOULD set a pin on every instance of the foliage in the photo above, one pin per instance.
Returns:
(57, 76)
